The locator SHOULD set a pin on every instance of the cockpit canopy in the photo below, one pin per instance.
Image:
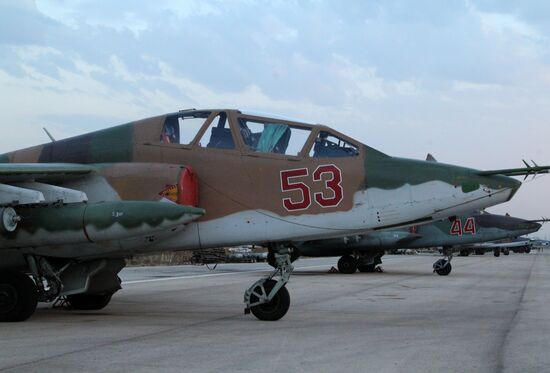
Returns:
(234, 130)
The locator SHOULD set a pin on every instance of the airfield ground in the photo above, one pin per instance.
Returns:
(489, 315)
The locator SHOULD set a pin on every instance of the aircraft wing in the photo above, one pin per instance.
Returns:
(37, 169)
(19, 186)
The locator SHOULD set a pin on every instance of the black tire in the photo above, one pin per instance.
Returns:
(445, 270)
(18, 297)
(496, 253)
(506, 252)
(274, 310)
(89, 302)
(347, 264)
(464, 253)
(527, 250)
(366, 268)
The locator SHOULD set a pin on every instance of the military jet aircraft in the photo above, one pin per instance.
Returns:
(364, 252)
(516, 244)
(73, 209)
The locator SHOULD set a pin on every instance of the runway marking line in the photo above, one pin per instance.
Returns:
(208, 275)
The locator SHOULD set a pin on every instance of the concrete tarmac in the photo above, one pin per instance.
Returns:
(489, 315)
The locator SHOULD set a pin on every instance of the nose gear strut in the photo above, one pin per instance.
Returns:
(268, 298)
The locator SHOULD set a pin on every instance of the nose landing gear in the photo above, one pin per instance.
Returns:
(443, 266)
(268, 299)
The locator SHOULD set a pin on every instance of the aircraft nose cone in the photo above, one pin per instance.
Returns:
(535, 226)
(510, 183)
(530, 226)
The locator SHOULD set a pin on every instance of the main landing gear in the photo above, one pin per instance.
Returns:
(347, 264)
(464, 252)
(85, 285)
(268, 298)
(18, 296)
(443, 266)
(360, 262)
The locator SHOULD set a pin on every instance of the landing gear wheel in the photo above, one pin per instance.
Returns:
(506, 252)
(274, 309)
(366, 268)
(496, 253)
(442, 267)
(89, 302)
(445, 270)
(464, 253)
(347, 264)
(18, 297)
(268, 298)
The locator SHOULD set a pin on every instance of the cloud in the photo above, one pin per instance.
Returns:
(505, 23)
(276, 29)
(360, 81)
(129, 21)
(120, 70)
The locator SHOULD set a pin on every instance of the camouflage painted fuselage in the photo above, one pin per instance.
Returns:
(250, 196)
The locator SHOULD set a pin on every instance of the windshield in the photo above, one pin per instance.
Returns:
(328, 145)
(267, 137)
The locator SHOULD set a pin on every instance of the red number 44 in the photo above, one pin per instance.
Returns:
(330, 197)
(469, 227)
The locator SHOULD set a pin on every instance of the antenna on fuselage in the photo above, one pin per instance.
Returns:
(430, 158)
(49, 134)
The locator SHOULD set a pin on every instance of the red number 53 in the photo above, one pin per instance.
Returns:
(330, 197)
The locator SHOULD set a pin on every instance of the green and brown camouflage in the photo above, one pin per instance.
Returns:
(243, 171)
(207, 178)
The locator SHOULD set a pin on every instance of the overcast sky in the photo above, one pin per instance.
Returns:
(468, 81)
